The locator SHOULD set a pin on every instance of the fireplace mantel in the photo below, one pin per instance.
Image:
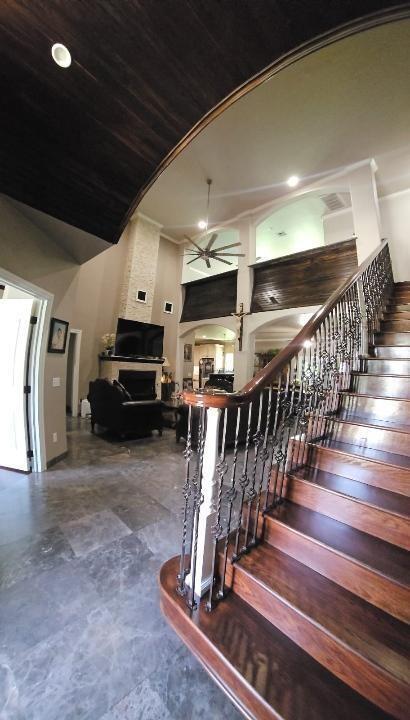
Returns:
(110, 366)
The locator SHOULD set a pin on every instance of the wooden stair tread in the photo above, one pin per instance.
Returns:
(352, 416)
(267, 673)
(380, 556)
(367, 453)
(382, 499)
(370, 632)
(373, 396)
(383, 375)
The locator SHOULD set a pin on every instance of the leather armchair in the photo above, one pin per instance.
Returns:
(113, 409)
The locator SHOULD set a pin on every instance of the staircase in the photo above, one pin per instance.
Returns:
(315, 624)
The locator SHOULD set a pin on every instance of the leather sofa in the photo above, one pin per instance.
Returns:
(113, 409)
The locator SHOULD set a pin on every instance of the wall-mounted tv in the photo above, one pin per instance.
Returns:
(138, 339)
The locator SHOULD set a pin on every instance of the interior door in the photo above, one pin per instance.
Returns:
(14, 332)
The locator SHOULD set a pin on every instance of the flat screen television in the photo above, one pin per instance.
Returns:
(138, 339)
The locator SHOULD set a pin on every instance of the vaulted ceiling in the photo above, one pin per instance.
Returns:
(83, 143)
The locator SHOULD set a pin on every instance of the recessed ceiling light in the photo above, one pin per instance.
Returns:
(202, 225)
(61, 55)
(293, 181)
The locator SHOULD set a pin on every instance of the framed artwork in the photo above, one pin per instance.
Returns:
(187, 384)
(187, 353)
(57, 339)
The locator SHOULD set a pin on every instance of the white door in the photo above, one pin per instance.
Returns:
(14, 333)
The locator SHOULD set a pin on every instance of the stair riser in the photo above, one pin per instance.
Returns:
(378, 408)
(357, 671)
(362, 581)
(400, 315)
(379, 475)
(395, 325)
(385, 351)
(381, 386)
(376, 522)
(401, 296)
(368, 437)
(390, 367)
(393, 338)
(398, 307)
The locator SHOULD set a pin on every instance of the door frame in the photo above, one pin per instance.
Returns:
(75, 387)
(37, 362)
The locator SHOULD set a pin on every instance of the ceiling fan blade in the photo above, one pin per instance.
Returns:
(226, 247)
(193, 260)
(198, 247)
(220, 260)
(208, 264)
(218, 254)
(211, 241)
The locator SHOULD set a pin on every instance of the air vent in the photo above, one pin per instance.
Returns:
(281, 233)
(333, 201)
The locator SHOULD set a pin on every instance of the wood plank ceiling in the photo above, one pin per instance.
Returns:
(82, 143)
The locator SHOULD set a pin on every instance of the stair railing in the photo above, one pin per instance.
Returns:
(241, 445)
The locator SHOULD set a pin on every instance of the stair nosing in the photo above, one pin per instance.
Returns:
(343, 554)
(346, 452)
(366, 423)
(358, 373)
(373, 397)
(348, 497)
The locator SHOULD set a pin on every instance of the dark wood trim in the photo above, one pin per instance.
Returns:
(56, 459)
(303, 278)
(345, 30)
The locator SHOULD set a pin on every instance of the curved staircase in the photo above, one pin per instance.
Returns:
(315, 626)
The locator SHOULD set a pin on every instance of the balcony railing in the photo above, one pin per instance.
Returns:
(241, 445)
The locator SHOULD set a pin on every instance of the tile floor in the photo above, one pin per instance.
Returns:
(81, 632)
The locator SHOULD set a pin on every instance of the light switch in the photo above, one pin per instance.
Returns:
(56, 382)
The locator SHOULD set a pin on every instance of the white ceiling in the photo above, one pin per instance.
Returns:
(345, 103)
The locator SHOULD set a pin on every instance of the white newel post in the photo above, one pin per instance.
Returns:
(208, 510)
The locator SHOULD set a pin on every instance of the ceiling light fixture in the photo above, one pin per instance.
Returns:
(202, 225)
(293, 181)
(61, 55)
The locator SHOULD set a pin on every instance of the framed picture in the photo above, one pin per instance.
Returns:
(187, 384)
(187, 353)
(57, 339)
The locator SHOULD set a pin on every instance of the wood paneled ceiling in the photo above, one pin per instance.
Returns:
(82, 143)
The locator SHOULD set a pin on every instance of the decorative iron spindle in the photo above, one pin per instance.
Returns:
(292, 407)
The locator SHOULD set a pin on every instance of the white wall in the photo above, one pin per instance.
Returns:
(395, 226)
(395, 221)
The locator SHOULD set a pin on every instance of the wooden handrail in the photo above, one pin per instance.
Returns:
(221, 399)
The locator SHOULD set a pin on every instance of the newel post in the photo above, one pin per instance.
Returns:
(206, 518)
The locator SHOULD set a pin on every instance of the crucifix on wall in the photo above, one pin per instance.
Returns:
(239, 323)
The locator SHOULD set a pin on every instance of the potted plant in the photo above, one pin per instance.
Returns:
(108, 341)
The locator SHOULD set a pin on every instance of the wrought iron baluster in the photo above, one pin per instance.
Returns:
(197, 500)
(183, 571)
(264, 457)
(243, 482)
(272, 444)
(251, 492)
(217, 529)
(231, 496)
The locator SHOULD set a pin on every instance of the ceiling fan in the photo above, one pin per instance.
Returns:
(207, 253)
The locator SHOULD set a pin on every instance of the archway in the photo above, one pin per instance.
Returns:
(204, 350)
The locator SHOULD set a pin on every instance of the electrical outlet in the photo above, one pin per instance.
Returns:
(56, 382)
(55, 438)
